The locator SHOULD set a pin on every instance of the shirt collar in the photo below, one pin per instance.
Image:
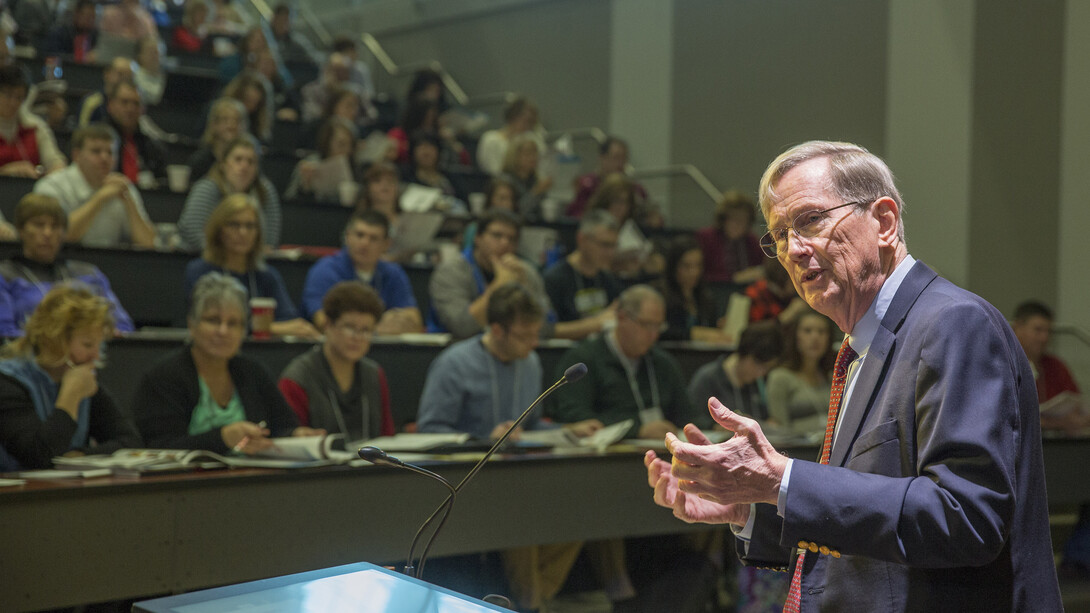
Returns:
(863, 333)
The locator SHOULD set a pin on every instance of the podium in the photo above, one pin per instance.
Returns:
(359, 588)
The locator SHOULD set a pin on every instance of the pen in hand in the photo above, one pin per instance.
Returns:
(240, 445)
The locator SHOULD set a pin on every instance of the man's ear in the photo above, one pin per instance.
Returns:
(888, 214)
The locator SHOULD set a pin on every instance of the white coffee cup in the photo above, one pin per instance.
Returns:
(477, 201)
(178, 177)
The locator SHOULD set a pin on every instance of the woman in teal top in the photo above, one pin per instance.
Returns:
(208, 396)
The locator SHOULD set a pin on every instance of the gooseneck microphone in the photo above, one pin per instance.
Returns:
(378, 456)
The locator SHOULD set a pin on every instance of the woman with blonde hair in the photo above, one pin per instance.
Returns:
(520, 170)
(238, 172)
(233, 246)
(227, 120)
(50, 401)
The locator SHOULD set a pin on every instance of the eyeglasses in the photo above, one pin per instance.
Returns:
(806, 225)
(351, 332)
(249, 226)
(216, 322)
(657, 327)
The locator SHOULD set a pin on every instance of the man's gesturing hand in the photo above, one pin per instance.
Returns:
(742, 470)
(691, 509)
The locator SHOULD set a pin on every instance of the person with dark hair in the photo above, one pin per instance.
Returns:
(234, 246)
(423, 114)
(238, 172)
(366, 239)
(731, 252)
(690, 309)
(255, 92)
(335, 76)
(427, 84)
(26, 278)
(334, 386)
(139, 152)
(292, 46)
(480, 386)
(798, 389)
(519, 117)
(423, 166)
(104, 208)
(774, 296)
(27, 145)
(93, 107)
(460, 288)
(205, 394)
(612, 158)
(739, 377)
(336, 145)
(359, 73)
(189, 35)
(51, 403)
(76, 37)
(1033, 327)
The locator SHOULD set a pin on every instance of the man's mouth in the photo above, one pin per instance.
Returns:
(810, 275)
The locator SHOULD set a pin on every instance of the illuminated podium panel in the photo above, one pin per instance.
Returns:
(359, 588)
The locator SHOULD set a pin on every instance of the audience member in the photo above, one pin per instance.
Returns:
(255, 93)
(799, 388)
(422, 115)
(104, 208)
(35, 18)
(28, 276)
(7, 231)
(227, 121)
(359, 73)
(427, 84)
(381, 192)
(27, 146)
(140, 152)
(250, 47)
(520, 170)
(233, 246)
(1033, 327)
(334, 77)
(499, 193)
(129, 20)
(731, 249)
(148, 73)
(93, 107)
(239, 172)
(313, 176)
(628, 377)
(50, 401)
(292, 46)
(738, 379)
(285, 98)
(690, 309)
(190, 34)
(581, 285)
(519, 117)
(423, 166)
(480, 386)
(226, 18)
(76, 37)
(460, 287)
(366, 238)
(334, 386)
(206, 395)
(774, 296)
(612, 158)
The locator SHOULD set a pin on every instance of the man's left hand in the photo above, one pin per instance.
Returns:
(744, 469)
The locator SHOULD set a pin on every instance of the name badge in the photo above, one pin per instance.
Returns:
(651, 414)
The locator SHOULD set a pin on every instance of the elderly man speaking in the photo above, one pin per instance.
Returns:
(929, 493)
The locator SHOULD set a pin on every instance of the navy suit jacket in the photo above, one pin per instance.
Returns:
(934, 495)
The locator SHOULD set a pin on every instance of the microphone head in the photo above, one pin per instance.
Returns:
(375, 455)
(575, 372)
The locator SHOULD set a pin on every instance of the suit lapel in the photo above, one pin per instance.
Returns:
(872, 374)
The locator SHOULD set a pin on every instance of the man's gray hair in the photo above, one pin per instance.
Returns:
(632, 299)
(594, 220)
(216, 289)
(855, 175)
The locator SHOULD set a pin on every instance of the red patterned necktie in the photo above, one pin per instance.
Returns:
(844, 359)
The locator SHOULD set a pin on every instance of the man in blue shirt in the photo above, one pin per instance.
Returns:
(366, 238)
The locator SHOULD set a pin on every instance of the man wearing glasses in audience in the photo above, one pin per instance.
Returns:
(628, 377)
(929, 491)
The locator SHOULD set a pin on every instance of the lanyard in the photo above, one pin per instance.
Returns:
(633, 383)
(497, 417)
(62, 271)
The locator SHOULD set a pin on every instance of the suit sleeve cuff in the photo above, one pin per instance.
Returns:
(781, 498)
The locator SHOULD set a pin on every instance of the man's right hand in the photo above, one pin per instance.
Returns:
(507, 269)
(691, 509)
(115, 185)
